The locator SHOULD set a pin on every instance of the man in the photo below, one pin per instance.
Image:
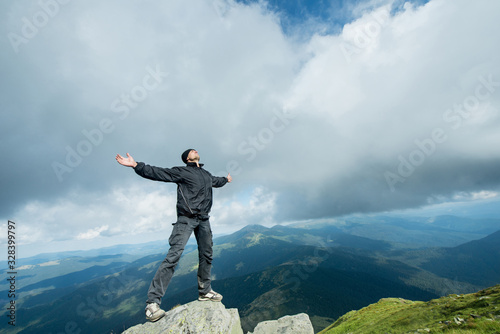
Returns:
(194, 201)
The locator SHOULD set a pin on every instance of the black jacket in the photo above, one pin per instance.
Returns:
(194, 186)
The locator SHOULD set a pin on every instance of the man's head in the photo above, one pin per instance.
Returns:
(190, 155)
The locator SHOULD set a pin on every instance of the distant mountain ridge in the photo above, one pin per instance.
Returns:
(328, 236)
(413, 232)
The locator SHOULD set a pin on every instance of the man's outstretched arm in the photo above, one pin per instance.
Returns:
(219, 181)
(129, 161)
(150, 172)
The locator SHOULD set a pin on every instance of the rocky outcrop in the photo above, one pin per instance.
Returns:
(192, 318)
(213, 318)
(297, 324)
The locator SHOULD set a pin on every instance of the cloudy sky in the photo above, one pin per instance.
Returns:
(317, 108)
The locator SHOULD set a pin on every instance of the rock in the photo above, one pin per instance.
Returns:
(193, 318)
(213, 318)
(297, 324)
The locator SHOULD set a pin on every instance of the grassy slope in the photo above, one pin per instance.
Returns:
(471, 313)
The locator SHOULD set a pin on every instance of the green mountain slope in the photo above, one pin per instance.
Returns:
(471, 313)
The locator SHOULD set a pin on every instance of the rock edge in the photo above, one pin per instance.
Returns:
(212, 317)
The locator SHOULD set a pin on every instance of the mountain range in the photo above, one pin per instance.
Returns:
(324, 270)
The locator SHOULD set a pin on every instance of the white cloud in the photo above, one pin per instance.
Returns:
(475, 196)
(386, 82)
(92, 233)
(137, 213)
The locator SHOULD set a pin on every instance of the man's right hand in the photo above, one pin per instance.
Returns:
(129, 161)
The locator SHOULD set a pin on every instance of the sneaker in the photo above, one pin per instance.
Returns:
(212, 296)
(154, 312)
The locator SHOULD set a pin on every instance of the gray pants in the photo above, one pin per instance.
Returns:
(178, 239)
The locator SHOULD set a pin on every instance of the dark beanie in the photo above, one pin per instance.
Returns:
(184, 155)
